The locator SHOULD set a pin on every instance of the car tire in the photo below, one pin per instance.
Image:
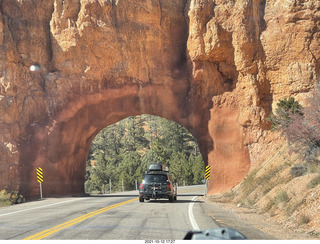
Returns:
(141, 199)
(171, 199)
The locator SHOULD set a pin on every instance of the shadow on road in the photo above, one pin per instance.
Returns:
(136, 195)
(175, 202)
(111, 195)
(191, 195)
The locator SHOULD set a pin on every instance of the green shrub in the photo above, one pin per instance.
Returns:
(10, 197)
(285, 109)
(16, 197)
(269, 205)
(304, 220)
(314, 233)
(298, 170)
(282, 197)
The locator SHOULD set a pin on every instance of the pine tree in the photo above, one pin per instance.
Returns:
(125, 150)
(285, 110)
(198, 170)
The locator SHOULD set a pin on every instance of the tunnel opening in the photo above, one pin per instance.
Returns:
(121, 153)
(61, 144)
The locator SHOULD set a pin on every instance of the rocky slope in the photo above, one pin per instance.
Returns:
(216, 67)
(271, 190)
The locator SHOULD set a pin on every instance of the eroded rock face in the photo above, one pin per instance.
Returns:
(251, 53)
(215, 67)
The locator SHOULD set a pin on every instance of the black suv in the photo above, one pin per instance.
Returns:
(157, 184)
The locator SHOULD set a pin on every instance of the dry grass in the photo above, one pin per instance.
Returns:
(282, 197)
(314, 182)
(303, 220)
(5, 198)
(9, 198)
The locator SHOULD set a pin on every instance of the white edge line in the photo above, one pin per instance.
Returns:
(24, 210)
(191, 217)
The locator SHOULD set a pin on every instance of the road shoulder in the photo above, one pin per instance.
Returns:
(255, 226)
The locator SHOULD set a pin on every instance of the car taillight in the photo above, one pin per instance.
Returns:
(141, 187)
(169, 186)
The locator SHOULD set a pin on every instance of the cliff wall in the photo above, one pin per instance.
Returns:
(216, 67)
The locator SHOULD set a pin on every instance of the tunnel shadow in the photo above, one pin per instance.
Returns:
(33, 199)
(113, 195)
(190, 195)
(174, 202)
(136, 195)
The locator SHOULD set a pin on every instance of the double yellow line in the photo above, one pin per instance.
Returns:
(43, 234)
(48, 232)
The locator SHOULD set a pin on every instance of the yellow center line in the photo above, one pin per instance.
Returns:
(48, 232)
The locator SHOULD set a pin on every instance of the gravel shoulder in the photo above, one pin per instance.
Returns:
(253, 225)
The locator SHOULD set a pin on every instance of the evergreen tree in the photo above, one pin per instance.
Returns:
(159, 152)
(125, 150)
(175, 137)
(134, 138)
(177, 161)
(198, 170)
(286, 108)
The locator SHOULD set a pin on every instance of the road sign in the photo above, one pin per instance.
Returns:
(207, 174)
(39, 175)
(40, 179)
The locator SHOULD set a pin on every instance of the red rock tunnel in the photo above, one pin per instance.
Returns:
(61, 146)
(102, 61)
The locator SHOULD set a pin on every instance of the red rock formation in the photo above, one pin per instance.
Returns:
(215, 67)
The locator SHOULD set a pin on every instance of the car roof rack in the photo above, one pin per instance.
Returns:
(156, 172)
(158, 167)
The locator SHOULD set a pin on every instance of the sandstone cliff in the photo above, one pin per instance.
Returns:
(216, 67)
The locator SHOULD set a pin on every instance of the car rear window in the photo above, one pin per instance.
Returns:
(155, 178)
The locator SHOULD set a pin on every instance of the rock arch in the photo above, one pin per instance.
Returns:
(102, 61)
(215, 67)
(61, 145)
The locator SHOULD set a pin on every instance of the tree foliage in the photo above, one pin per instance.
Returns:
(285, 110)
(123, 152)
(301, 127)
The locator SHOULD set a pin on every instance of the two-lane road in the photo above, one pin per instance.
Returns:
(109, 217)
(119, 217)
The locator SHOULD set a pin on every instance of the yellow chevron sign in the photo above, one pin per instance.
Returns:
(39, 175)
(207, 174)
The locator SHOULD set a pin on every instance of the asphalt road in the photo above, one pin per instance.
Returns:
(111, 217)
